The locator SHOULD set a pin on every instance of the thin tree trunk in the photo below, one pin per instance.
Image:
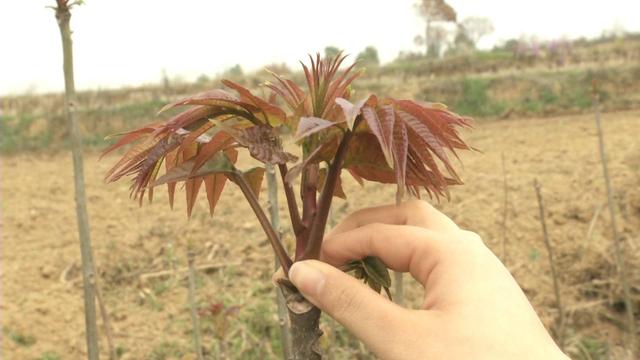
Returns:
(193, 305)
(63, 16)
(619, 252)
(285, 335)
(552, 265)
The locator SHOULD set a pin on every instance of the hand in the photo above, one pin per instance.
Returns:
(472, 309)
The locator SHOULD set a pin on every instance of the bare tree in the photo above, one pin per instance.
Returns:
(434, 11)
(476, 28)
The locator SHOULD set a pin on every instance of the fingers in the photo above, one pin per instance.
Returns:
(416, 213)
(372, 318)
(400, 247)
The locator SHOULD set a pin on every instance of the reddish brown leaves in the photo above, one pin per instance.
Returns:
(267, 110)
(325, 83)
(338, 191)
(410, 137)
(394, 141)
(380, 122)
(213, 98)
(214, 184)
(254, 178)
(400, 153)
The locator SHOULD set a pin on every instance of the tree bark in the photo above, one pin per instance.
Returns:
(63, 15)
(304, 318)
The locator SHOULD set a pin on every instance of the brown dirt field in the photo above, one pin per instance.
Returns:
(41, 310)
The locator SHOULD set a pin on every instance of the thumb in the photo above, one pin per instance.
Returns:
(367, 315)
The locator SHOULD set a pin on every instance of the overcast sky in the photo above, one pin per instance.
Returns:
(130, 42)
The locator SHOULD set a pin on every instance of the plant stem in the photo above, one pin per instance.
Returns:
(316, 233)
(308, 189)
(622, 269)
(294, 214)
(552, 265)
(238, 178)
(272, 186)
(308, 193)
(63, 15)
(195, 319)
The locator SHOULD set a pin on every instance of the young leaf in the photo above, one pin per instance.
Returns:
(338, 191)
(218, 164)
(381, 125)
(351, 111)
(254, 178)
(129, 137)
(373, 271)
(218, 142)
(311, 125)
(212, 98)
(214, 184)
(272, 114)
(323, 152)
(400, 153)
(192, 187)
(377, 270)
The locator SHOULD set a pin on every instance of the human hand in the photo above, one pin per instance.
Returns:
(473, 308)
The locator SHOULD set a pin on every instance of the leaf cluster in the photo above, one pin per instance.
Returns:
(379, 139)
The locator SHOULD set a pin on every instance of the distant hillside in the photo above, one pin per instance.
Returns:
(518, 79)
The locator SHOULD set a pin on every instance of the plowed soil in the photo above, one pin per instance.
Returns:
(41, 309)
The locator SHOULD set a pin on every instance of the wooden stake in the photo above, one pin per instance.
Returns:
(552, 264)
(505, 209)
(622, 273)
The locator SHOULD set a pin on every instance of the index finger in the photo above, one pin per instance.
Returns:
(416, 213)
(400, 247)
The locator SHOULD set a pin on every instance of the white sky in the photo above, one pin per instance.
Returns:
(130, 42)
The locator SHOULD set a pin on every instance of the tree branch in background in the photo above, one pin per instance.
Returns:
(552, 265)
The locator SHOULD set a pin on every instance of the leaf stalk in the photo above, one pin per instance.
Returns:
(239, 179)
(316, 233)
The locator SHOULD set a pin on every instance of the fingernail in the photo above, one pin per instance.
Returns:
(306, 278)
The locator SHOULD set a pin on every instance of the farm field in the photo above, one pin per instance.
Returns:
(41, 312)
